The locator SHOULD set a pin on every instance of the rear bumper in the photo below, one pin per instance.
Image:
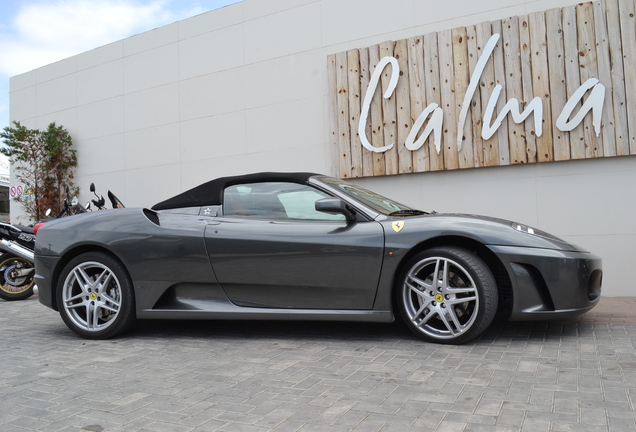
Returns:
(550, 284)
(44, 268)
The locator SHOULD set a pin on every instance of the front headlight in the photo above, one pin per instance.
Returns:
(562, 244)
(522, 228)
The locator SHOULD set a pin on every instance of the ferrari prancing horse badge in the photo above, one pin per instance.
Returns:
(397, 226)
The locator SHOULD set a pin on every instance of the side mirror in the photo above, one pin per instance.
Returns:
(88, 205)
(335, 206)
(92, 188)
(48, 213)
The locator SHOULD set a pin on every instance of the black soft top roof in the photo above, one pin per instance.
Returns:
(211, 193)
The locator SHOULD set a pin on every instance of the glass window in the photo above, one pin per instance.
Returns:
(376, 201)
(275, 200)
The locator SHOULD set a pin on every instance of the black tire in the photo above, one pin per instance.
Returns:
(453, 307)
(95, 296)
(13, 285)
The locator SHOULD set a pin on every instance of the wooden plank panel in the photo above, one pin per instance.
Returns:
(541, 83)
(433, 93)
(417, 91)
(333, 120)
(604, 70)
(546, 55)
(343, 114)
(460, 82)
(403, 107)
(490, 148)
(556, 61)
(367, 156)
(572, 76)
(628, 36)
(500, 78)
(618, 78)
(526, 83)
(445, 53)
(475, 108)
(389, 115)
(377, 123)
(353, 82)
(512, 67)
(588, 69)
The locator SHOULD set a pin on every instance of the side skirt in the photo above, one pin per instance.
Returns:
(271, 314)
(161, 300)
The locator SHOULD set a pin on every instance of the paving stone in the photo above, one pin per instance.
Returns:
(430, 419)
(275, 417)
(450, 426)
(471, 418)
(288, 426)
(210, 426)
(511, 416)
(536, 424)
(472, 427)
(369, 426)
(621, 424)
(412, 408)
(569, 427)
(487, 406)
(321, 428)
(351, 419)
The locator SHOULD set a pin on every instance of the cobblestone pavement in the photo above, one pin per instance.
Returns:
(168, 376)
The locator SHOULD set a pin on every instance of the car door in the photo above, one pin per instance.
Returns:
(271, 248)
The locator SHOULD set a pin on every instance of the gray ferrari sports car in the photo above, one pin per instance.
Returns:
(303, 246)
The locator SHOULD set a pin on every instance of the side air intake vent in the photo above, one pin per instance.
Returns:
(152, 216)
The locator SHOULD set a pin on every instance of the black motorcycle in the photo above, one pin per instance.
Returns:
(16, 262)
(100, 202)
(116, 203)
(17, 243)
(16, 253)
(70, 206)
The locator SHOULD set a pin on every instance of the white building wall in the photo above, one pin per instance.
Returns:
(244, 89)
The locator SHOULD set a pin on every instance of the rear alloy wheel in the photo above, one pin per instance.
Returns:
(95, 296)
(447, 295)
(16, 278)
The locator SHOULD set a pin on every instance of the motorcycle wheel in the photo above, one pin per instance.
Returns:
(12, 285)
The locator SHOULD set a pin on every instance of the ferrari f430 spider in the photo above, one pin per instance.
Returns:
(303, 246)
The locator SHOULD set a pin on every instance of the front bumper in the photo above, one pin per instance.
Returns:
(550, 284)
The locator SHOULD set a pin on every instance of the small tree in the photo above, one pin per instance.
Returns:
(45, 165)
(59, 165)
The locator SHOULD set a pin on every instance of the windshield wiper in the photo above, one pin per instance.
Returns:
(409, 212)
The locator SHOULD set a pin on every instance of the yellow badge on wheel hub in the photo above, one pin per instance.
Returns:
(439, 298)
(93, 296)
(397, 226)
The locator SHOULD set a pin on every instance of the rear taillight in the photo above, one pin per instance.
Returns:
(37, 227)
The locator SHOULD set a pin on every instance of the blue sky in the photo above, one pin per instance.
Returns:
(34, 33)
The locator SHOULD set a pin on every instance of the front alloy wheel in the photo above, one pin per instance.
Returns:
(95, 296)
(447, 295)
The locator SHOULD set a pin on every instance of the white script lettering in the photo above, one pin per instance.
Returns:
(594, 102)
(434, 124)
(373, 84)
(512, 107)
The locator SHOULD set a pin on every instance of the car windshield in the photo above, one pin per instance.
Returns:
(373, 200)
